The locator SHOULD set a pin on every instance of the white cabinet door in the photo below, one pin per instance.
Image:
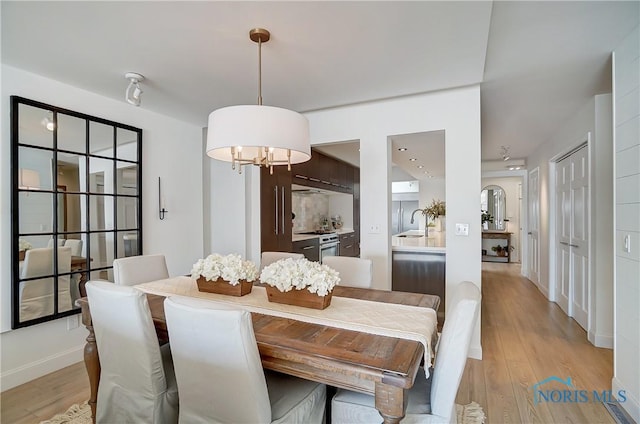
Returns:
(572, 236)
(534, 225)
(579, 242)
(563, 234)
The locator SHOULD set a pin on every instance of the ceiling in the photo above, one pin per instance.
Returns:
(537, 62)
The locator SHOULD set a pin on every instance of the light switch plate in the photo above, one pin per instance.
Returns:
(462, 229)
(374, 229)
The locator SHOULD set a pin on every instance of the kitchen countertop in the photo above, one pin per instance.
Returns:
(435, 243)
(300, 237)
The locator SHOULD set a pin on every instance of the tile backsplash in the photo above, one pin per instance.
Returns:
(310, 209)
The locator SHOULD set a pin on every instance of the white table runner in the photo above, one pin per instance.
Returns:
(384, 319)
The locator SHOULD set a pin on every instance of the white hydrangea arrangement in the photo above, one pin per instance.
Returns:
(230, 268)
(288, 274)
(23, 244)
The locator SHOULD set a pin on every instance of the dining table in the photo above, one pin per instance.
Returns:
(379, 365)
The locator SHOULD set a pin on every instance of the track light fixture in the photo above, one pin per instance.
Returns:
(133, 93)
(48, 122)
(504, 152)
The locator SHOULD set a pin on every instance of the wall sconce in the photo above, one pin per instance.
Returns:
(161, 206)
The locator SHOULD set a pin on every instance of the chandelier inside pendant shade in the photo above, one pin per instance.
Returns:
(256, 134)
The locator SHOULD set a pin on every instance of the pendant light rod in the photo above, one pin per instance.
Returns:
(259, 35)
(256, 134)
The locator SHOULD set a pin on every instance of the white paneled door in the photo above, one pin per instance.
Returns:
(534, 225)
(572, 236)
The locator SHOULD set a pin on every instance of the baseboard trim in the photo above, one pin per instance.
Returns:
(475, 352)
(44, 366)
(600, 340)
(544, 290)
(631, 404)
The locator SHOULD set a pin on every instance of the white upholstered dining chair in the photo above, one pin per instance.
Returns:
(75, 245)
(268, 258)
(51, 242)
(137, 382)
(430, 400)
(134, 270)
(220, 375)
(36, 296)
(354, 272)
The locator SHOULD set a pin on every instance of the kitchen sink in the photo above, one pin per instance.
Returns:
(410, 235)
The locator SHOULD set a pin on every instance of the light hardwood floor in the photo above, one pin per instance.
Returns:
(525, 339)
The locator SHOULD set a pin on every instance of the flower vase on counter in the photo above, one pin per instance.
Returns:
(441, 223)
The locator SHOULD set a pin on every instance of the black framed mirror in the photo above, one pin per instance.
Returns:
(493, 200)
(76, 205)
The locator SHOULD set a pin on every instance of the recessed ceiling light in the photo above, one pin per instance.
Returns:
(413, 159)
(420, 166)
(402, 149)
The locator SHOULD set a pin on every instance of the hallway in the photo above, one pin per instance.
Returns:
(526, 339)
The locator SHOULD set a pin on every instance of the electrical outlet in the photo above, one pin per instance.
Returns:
(374, 229)
(462, 229)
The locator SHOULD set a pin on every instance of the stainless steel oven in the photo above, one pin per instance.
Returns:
(329, 245)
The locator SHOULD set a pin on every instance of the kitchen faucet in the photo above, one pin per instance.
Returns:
(426, 218)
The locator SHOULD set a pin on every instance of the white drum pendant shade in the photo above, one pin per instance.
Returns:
(254, 127)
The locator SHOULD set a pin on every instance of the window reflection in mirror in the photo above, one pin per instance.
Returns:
(75, 205)
(494, 201)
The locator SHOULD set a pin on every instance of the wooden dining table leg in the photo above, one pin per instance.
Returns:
(91, 361)
(391, 402)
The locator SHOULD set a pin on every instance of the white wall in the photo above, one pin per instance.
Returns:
(458, 113)
(225, 206)
(626, 360)
(593, 124)
(171, 149)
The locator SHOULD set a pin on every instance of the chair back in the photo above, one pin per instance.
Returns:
(130, 357)
(75, 245)
(217, 363)
(354, 272)
(36, 296)
(453, 348)
(268, 258)
(51, 242)
(139, 269)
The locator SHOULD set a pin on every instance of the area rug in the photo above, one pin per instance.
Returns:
(470, 414)
(76, 414)
(81, 414)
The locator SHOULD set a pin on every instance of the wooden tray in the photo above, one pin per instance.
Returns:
(302, 298)
(221, 286)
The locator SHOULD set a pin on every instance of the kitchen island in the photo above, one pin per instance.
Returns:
(418, 264)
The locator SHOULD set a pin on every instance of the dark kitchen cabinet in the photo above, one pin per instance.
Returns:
(324, 172)
(348, 244)
(310, 248)
(275, 209)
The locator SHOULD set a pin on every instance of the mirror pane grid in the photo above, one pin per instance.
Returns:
(76, 200)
